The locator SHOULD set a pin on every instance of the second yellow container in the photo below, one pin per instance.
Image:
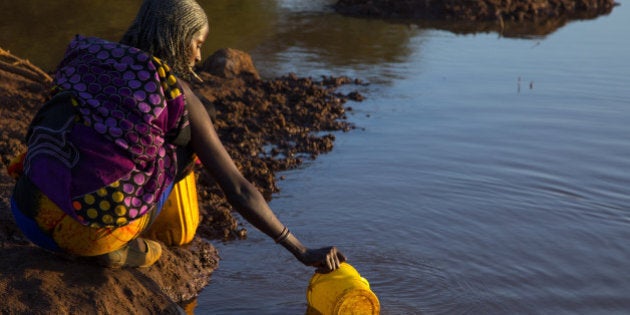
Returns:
(178, 221)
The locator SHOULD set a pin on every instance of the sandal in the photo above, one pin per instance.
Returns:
(137, 253)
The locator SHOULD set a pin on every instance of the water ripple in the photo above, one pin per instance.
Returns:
(419, 282)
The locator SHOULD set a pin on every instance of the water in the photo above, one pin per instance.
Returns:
(487, 175)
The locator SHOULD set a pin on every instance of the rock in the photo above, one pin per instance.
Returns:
(34, 281)
(229, 63)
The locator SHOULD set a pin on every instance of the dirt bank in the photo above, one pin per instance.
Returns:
(266, 125)
(508, 17)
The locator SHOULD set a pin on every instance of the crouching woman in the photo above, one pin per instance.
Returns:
(121, 128)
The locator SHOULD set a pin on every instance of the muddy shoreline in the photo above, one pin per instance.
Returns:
(510, 18)
(476, 10)
(266, 125)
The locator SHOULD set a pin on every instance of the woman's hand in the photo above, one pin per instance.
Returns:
(325, 259)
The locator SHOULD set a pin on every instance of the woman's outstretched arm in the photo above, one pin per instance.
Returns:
(243, 195)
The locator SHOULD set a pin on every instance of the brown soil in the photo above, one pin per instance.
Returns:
(511, 18)
(267, 126)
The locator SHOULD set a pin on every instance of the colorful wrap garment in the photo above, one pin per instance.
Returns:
(104, 149)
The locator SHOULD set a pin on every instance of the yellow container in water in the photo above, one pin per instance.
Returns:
(178, 221)
(342, 291)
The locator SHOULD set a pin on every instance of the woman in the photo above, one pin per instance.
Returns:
(120, 130)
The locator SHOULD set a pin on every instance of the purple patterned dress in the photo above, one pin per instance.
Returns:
(113, 155)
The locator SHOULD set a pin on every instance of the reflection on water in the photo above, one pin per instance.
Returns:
(528, 29)
(511, 29)
(460, 192)
(325, 41)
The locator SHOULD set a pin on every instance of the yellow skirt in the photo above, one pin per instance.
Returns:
(55, 230)
(77, 239)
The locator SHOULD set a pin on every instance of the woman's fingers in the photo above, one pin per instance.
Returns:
(333, 259)
(328, 259)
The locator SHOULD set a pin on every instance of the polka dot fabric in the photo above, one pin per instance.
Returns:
(121, 92)
(131, 100)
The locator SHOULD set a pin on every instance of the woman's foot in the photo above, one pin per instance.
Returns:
(137, 253)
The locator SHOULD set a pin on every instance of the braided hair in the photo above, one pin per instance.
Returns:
(165, 28)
